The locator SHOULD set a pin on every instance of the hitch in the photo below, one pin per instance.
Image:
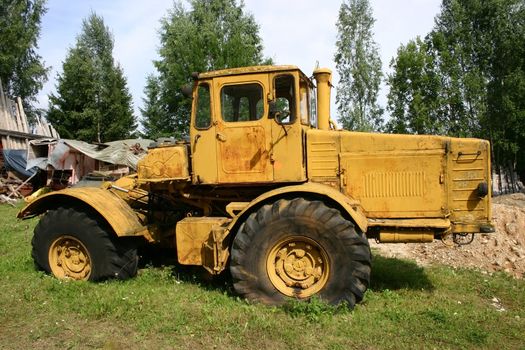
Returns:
(463, 238)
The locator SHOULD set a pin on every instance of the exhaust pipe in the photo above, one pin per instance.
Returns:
(323, 77)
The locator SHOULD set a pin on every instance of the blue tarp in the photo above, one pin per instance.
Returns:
(16, 160)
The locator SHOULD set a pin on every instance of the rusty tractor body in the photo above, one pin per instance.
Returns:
(264, 187)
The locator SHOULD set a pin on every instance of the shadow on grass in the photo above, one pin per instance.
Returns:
(392, 274)
(387, 273)
(163, 257)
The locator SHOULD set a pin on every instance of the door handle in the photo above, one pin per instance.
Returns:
(221, 137)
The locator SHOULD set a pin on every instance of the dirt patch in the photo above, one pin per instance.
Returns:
(503, 250)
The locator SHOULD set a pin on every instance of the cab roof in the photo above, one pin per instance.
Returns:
(248, 70)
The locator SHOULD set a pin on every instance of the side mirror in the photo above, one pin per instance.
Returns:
(187, 91)
(272, 109)
(279, 110)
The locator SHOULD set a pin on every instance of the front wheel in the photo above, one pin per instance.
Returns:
(69, 243)
(297, 249)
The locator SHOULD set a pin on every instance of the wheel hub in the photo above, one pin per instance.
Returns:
(69, 258)
(298, 266)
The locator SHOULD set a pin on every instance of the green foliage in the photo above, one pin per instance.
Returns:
(467, 78)
(212, 34)
(22, 70)
(414, 99)
(314, 310)
(359, 67)
(153, 113)
(92, 102)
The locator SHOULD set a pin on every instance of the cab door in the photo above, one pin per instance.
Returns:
(203, 136)
(243, 131)
(287, 131)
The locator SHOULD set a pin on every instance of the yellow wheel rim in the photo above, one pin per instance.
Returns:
(69, 258)
(298, 266)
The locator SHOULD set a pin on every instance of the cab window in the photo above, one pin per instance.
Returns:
(243, 102)
(285, 98)
(203, 110)
(304, 102)
(313, 107)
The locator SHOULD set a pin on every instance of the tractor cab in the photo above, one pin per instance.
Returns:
(248, 125)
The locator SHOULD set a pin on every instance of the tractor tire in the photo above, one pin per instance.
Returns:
(69, 243)
(300, 249)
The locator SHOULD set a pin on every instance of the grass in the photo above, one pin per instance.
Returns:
(167, 307)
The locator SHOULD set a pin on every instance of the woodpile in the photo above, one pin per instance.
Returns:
(12, 189)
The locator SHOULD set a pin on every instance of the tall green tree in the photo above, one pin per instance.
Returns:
(414, 99)
(153, 112)
(359, 67)
(22, 70)
(477, 49)
(92, 102)
(211, 34)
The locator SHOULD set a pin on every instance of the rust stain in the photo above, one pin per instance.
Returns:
(244, 151)
(164, 163)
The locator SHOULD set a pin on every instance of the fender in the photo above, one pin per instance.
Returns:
(108, 205)
(344, 203)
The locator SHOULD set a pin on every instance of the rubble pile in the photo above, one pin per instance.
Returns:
(503, 250)
(12, 189)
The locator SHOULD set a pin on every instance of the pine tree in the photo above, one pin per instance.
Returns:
(153, 113)
(22, 70)
(212, 34)
(359, 67)
(92, 101)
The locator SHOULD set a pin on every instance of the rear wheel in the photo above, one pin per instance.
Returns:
(69, 243)
(298, 249)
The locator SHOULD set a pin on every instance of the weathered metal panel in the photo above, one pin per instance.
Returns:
(243, 147)
(286, 153)
(469, 164)
(243, 151)
(111, 207)
(400, 184)
(347, 203)
(397, 184)
(323, 148)
(239, 72)
(194, 238)
(164, 163)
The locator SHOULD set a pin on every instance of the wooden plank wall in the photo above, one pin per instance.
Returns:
(15, 131)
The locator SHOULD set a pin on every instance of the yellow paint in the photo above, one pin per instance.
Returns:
(408, 177)
(243, 147)
(200, 241)
(69, 258)
(298, 267)
(286, 151)
(247, 150)
(241, 71)
(164, 164)
(111, 207)
(40, 192)
(347, 204)
(395, 236)
(234, 208)
(410, 223)
(203, 140)
(323, 76)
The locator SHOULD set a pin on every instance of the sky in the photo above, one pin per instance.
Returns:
(297, 32)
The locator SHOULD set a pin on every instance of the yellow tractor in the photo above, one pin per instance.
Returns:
(266, 188)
